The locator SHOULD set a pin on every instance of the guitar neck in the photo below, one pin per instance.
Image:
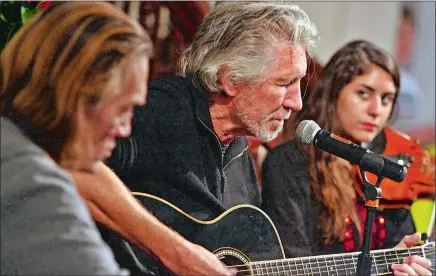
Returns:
(338, 264)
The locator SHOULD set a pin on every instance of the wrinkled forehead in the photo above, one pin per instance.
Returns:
(291, 62)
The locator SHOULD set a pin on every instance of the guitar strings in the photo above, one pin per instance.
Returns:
(281, 270)
(346, 259)
(310, 271)
(342, 258)
(334, 266)
(350, 271)
(389, 256)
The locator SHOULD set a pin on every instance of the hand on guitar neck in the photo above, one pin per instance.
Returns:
(412, 264)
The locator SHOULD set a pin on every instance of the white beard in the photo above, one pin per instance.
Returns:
(260, 129)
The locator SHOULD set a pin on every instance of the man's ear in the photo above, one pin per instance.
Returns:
(229, 86)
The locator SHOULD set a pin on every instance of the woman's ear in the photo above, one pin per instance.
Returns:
(229, 86)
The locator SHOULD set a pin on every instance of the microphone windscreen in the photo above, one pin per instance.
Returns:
(306, 131)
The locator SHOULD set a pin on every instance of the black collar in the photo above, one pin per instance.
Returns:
(201, 104)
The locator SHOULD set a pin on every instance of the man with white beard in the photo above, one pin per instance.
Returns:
(240, 77)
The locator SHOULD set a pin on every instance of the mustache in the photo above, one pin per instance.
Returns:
(283, 115)
(287, 114)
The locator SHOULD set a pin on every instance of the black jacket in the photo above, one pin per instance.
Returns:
(288, 200)
(174, 153)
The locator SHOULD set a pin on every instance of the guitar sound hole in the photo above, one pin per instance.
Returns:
(232, 261)
(234, 258)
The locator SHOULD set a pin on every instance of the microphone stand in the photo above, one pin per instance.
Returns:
(372, 195)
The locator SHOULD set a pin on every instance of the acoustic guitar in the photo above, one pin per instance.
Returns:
(245, 237)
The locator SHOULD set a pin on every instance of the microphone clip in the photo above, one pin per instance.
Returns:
(371, 191)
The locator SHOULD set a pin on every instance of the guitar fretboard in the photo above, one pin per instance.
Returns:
(338, 264)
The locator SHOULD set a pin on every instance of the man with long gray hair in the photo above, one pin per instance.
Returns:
(241, 76)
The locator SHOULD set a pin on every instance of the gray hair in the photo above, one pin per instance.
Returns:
(241, 36)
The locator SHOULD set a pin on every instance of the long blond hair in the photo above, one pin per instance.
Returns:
(62, 60)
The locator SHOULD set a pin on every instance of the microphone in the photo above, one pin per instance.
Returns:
(309, 133)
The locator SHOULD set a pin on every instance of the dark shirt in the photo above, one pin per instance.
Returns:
(288, 200)
(174, 153)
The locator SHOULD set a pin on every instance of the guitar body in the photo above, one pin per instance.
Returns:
(240, 235)
(245, 237)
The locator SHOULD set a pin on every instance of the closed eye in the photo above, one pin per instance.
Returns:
(289, 83)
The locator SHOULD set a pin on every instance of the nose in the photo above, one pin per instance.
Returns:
(375, 107)
(293, 100)
(124, 130)
(123, 126)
